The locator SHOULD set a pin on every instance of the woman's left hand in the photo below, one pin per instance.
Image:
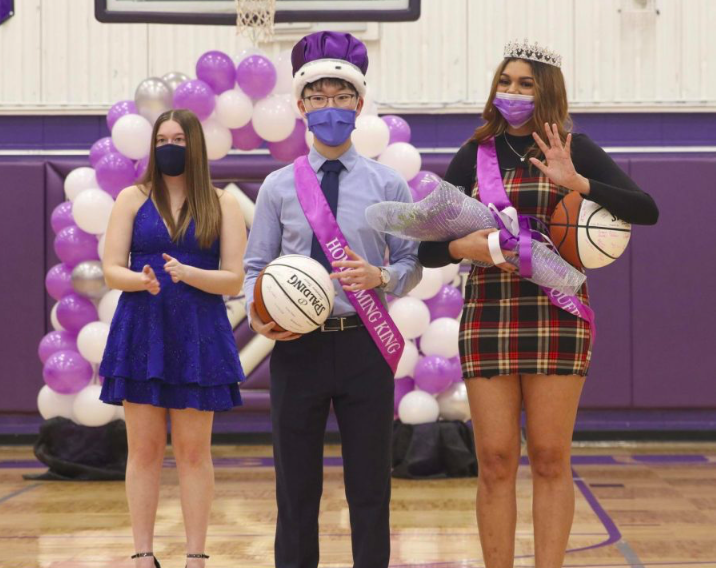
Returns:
(174, 268)
(558, 166)
(359, 274)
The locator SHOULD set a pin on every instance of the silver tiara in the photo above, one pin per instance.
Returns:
(533, 52)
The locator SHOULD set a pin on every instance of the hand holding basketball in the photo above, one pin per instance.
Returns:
(558, 166)
(358, 273)
(474, 247)
(176, 269)
(149, 280)
(266, 329)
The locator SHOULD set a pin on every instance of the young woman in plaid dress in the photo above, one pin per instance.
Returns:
(517, 348)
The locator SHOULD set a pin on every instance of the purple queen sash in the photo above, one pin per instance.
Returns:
(367, 304)
(492, 191)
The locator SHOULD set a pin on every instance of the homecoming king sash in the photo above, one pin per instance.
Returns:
(367, 304)
(492, 192)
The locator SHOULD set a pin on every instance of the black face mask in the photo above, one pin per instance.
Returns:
(171, 159)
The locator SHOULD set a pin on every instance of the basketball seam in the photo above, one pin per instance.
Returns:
(325, 295)
(595, 245)
(566, 213)
(289, 299)
(590, 227)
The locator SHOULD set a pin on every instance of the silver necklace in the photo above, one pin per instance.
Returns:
(520, 156)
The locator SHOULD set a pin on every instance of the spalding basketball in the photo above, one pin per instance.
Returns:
(586, 234)
(295, 292)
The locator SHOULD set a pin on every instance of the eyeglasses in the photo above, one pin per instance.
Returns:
(343, 100)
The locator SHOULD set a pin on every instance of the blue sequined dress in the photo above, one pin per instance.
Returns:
(175, 349)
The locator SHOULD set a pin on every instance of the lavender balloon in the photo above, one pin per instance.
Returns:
(256, 76)
(118, 110)
(58, 281)
(75, 311)
(115, 172)
(196, 96)
(398, 127)
(423, 184)
(141, 167)
(101, 148)
(455, 369)
(447, 303)
(72, 246)
(292, 147)
(432, 374)
(217, 70)
(402, 387)
(245, 138)
(67, 372)
(56, 341)
(62, 216)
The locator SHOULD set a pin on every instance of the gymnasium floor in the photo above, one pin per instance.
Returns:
(638, 505)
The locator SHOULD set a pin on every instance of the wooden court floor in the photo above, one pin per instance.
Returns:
(637, 505)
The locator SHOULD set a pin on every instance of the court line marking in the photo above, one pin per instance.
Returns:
(19, 492)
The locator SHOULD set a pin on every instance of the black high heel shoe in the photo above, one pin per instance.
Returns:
(202, 555)
(146, 554)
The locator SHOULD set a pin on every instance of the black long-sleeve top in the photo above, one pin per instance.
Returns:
(609, 186)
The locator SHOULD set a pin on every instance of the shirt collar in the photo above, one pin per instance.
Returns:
(349, 158)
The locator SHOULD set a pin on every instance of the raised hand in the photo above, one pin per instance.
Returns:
(558, 165)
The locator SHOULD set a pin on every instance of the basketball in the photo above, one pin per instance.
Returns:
(295, 292)
(586, 234)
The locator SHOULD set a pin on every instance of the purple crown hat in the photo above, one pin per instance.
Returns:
(329, 54)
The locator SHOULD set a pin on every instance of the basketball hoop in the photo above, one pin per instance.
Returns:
(255, 19)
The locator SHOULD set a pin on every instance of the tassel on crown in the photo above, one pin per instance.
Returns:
(533, 52)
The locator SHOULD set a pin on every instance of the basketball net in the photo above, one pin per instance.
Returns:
(255, 19)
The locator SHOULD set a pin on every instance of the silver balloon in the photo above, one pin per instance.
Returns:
(153, 97)
(453, 403)
(174, 79)
(88, 279)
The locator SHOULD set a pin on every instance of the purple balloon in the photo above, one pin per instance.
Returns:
(62, 216)
(196, 96)
(399, 128)
(141, 167)
(217, 70)
(75, 311)
(58, 281)
(245, 138)
(56, 341)
(402, 387)
(118, 110)
(73, 245)
(292, 147)
(256, 76)
(115, 172)
(101, 148)
(432, 374)
(67, 372)
(455, 369)
(447, 303)
(423, 184)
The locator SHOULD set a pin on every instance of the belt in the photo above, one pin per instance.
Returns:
(342, 323)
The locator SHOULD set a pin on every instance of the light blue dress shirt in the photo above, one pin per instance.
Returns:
(280, 226)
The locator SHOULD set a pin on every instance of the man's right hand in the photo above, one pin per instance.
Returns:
(266, 329)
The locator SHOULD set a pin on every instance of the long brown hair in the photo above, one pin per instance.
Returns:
(201, 203)
(551, 106)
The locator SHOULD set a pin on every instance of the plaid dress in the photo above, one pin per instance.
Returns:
(509, 326)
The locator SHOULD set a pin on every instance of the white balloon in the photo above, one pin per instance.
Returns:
(218, 139)
(53, 319)
(441, 338)
(370, 106)
(371, 135)
(284, 73)
(402, 157)
(100, 246)
(119, 415)
(132, 136)
(453, 403)
(234, 108)
(91, 341)
(78, 180)
(449, 273)
(309, 138)
(52, 404)
(408, 360)
(418, 407)
(108, 305)
(91, 210)
(89, 410)
(273, 118)
(411, 316)
(429, 285)
(290, 101)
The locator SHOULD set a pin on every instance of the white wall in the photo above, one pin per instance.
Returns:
(54, 56)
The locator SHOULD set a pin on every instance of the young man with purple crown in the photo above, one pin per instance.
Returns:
(316, 207)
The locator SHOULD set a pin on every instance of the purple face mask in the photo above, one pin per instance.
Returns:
(517, 110)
